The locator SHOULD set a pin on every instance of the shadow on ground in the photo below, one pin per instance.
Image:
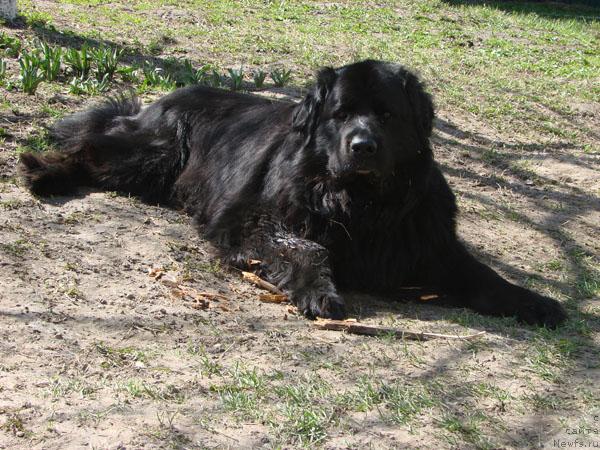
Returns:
(584, 10)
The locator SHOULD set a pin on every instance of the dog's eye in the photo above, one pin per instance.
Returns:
(384, 116)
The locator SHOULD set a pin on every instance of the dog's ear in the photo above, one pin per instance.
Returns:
(421, 103)
(307, 113)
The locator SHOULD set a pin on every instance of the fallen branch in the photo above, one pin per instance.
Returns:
(258, 281)
(273, 298)
(354, 327)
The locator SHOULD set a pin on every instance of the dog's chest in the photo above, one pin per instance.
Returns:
(373, 247)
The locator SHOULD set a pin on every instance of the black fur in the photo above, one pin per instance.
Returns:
(337, 192)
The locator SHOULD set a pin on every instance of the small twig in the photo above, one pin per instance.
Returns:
(257, 281)
(273, 298)
(353, 327)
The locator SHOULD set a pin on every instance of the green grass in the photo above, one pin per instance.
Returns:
(467, 428)
(120, 356)
(516, 53)
(15, 249)
(62, 387)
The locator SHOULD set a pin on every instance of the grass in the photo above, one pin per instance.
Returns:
(15, 249)
(62, 387)
(120, 357)
(467, 428)
(458, 47)
(15, 425)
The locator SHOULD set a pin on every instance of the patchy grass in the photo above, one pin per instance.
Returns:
(459, 46)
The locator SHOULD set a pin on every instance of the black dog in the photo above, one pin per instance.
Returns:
(339, 191)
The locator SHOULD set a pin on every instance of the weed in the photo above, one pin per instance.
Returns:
(237, 78)
(17, 248)
(210, 367)
(259, 77)
(14, 424)
(468, 429)
(73, 292)
(129, 73)
(140, 389)
(36, 142)
(107, 60)
(36, 19)
(365, 398)
(403, 401)
(308, 423)
(31, 74)
(214, 79)
(119, 357)
(489, 390)
(61, 387)
(89, 86)
(79, 61)
(51, 111)
(281, 76)
(10, 205)
(193, 76)
(543, 402)
(156, 77)
(11, 45)
(50, 60)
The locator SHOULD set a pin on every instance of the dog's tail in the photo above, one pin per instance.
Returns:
(105, 146)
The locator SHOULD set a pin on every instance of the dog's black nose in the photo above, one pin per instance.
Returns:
(363, 146)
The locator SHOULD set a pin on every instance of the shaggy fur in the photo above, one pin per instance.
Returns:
(338, 192)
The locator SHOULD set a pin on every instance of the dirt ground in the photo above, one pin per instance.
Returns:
(96, 353)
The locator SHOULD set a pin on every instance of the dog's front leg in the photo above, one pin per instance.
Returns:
(301, 267)
(298, 266)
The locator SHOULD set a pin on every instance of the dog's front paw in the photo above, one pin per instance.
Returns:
(327, 305)
(536, 309)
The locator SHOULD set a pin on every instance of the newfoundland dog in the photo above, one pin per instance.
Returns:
(337, 192)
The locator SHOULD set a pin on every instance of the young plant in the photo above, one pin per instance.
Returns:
(281, 77)
(259, 77)
(79, 61)
(30, 74)
(107, 60)
(50, 60)
(156, 77)
(10, 45)
(237, 78)
(193, 76)
(89, 86)
(129, 73)
(214, 79)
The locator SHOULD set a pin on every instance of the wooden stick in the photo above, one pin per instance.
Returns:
(273, 298)
(354, 327)
(257, 281)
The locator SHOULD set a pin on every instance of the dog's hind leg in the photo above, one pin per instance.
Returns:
(109, 152)
(127, 163)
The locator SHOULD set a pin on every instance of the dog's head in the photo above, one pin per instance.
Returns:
(366, 119)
